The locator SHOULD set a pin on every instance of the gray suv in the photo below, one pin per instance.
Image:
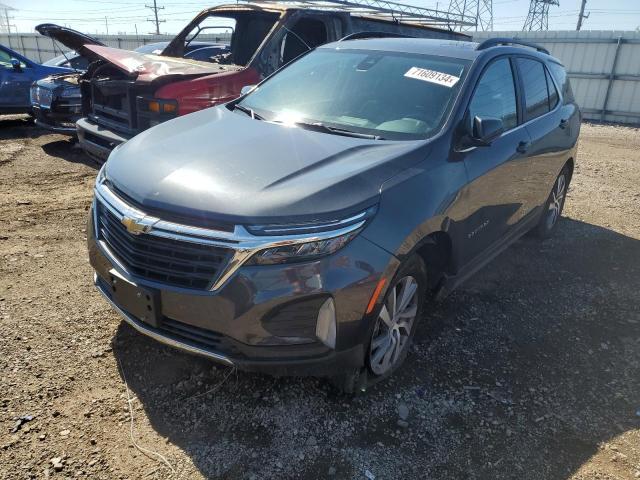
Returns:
(298, 229)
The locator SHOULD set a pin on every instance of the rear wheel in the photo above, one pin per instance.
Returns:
(553, 207)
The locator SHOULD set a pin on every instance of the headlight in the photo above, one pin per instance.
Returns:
(301, 251)
(73, 92)
(308, 241)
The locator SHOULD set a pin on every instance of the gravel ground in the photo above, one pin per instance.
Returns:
(529, 371)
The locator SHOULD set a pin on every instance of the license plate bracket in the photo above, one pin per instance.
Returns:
(142, 303)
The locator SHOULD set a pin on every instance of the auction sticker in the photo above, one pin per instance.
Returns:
(432, 76)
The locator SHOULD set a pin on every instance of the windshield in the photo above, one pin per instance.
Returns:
(389, 95)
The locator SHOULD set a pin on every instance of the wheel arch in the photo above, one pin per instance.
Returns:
(436, 251)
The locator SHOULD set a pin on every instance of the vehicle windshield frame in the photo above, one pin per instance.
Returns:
(387, 135)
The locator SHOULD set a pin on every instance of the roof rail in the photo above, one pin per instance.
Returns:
(362, 35)
(494, 42)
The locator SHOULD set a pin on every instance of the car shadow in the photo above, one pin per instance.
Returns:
(13, 127)
(69, 150)
(521, 373)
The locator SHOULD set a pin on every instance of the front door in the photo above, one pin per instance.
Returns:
(14, 84)
(494, 197)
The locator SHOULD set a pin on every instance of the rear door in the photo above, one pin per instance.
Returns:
(548, 126)
(496, 203)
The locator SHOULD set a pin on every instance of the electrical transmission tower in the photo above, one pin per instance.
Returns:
(538, 17)
(481, 10)
(155, 9)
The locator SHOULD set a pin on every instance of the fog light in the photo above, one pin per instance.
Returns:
(326, 324)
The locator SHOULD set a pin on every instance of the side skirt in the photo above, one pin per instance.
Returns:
(450, 282)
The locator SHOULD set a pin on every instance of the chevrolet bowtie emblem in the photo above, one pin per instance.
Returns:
(135, 227)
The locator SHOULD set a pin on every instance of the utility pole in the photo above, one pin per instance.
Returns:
(582, 15)
(155, 9)
(106, 24)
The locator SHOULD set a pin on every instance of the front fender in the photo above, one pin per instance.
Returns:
(416, 203)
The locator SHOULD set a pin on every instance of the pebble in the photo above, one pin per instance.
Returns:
(332, 471)
(403, 411)
(311, 441)
(57, 463)
(64, 433)
(403, 423)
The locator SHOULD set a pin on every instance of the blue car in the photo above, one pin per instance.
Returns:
(17, 73)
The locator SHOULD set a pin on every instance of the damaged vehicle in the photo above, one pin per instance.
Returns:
(298, 229)
(56, 100)
(125, 93)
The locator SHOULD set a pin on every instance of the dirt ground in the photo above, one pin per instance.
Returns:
(529, 371)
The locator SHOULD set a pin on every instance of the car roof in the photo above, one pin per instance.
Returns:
(430, 46)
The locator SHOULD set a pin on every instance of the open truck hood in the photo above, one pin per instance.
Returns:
(70, 38)
(147, 67)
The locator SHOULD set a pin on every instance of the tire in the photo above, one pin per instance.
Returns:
(553, 206)
(392, 333)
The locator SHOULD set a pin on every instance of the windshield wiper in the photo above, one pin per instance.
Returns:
(321, 127)
(248, 111)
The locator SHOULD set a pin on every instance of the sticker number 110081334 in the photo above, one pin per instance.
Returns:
(432, 76)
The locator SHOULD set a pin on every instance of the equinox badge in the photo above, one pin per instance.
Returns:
(135, 227)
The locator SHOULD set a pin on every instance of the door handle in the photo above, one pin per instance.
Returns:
(523, 147)
(564, 123)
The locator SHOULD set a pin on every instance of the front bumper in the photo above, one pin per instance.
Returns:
(97, 141)
(250, 315)
(59, 122)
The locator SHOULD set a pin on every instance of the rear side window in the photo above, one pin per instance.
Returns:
(560, 75)
(495, 94)
(536, 95)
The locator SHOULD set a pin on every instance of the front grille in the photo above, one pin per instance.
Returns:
(173, 262)
(113, 105)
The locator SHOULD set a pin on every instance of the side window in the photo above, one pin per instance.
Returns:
(536, 95)
(495, 94)
(551, 88)
(306, 34)
(560, 75)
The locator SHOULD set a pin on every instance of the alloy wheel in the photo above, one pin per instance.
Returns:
(392, 331)
(556, 201)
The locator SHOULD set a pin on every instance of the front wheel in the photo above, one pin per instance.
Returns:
(553, 206)
(397, 319)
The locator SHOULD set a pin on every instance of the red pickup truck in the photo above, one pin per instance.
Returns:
(124, 92)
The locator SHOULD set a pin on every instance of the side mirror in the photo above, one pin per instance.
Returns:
(15, 63)
(247, 89)
(486, 130)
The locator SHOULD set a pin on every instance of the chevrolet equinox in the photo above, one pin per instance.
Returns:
(298, 229)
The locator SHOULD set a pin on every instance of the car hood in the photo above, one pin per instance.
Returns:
(221, 165)
(147, 67)
(69, 38)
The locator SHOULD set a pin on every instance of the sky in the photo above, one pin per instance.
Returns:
(122, 16)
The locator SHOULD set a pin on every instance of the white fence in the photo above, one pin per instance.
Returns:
(604, 67)
(41, 49)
